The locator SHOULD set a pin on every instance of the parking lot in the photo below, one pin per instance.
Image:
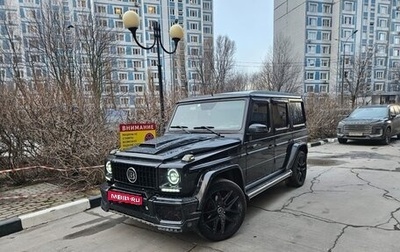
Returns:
(350, 202)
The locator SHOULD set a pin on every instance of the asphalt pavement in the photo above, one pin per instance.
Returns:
(28, 206)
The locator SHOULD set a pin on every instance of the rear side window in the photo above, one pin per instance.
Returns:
(279, 115)
(296, 113)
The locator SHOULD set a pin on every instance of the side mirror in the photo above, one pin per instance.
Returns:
(392, 115)
(258, 128)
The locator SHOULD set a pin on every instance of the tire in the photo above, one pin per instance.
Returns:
(342, 140)
(223, 211)
(388, 136)
(299, 170)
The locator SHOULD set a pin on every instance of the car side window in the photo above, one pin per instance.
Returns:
(259, 114)
(280, 115)
(296, 113)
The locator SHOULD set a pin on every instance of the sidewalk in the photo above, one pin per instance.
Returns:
(32, 205)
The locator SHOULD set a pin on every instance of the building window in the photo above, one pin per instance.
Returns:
(102, 22)
(380, 62)
(151, 9)
(348, 6)
(323, 88)
(101, 9)
(324, 62)
(82, 3)
(311, 62)
(309, 88)
(379, 74)
(312, 35)
(206, 5)
(119, 24)
(194, 39)
(348, 20)
(124, 101)
(207, 29)
(136, 51)
(310, 75)
(311, 48)
(327, 9)
(382, 36)
(139, 89)
(120, 50)
(378, 87)
(326, 36)
(383, 9)
(138, 76)
(383, 23)
(194, 51)
(312, 21)
(122, 76)
(326, 22)
(118, 10)
(193, 26)
(193, 13)
(137, 64)
(396, 40)
(153, 62)
(122, 63)
(123, 88)
(324, 76)
(207, 18)
(312, 7)
(326, 49)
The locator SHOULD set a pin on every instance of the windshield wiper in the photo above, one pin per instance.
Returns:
(184, 128)
(209, 128)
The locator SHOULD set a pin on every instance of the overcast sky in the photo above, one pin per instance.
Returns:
(250, 24)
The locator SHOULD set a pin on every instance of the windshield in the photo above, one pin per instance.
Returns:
(217, 115)
(370, 113)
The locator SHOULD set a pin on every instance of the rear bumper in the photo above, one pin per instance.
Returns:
(167, 214)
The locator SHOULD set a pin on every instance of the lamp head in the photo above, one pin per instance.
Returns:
(176, 32)
(131, 19)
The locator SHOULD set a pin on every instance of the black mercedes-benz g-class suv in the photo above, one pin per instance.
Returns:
(217, 153)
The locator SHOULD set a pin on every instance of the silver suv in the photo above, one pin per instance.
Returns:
(374, 122)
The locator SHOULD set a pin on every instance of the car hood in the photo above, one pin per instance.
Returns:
(362, 121)
(177, 145)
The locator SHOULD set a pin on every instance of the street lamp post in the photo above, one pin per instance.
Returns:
(132, 21)
(343, 60)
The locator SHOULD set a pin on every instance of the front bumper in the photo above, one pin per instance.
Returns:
(362, 136)
(167, 214)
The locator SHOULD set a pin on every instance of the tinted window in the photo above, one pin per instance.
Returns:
(296, 113)
(259, 113)
(279, 114)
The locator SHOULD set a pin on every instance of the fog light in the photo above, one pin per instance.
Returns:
(173, 176)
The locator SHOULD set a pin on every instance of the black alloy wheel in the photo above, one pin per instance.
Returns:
(223, 211)
(299, 170)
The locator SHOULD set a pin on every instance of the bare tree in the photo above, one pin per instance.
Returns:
(281, 69)
(357, 81)
(215, 64)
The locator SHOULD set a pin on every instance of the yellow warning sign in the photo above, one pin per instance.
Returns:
(135, 133)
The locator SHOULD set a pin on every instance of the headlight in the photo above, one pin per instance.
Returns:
(108, 170)
(173, 176)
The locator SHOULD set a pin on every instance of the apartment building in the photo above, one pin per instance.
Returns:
(135, 68)
(335, 37)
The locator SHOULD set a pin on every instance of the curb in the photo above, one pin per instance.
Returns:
(16, 224)
(321, 142)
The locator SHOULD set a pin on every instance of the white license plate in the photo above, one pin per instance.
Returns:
(355, 134)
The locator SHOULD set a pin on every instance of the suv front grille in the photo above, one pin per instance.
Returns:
(359, 128)
(146, 175)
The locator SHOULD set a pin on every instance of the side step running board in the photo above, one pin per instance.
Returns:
(271, 183)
